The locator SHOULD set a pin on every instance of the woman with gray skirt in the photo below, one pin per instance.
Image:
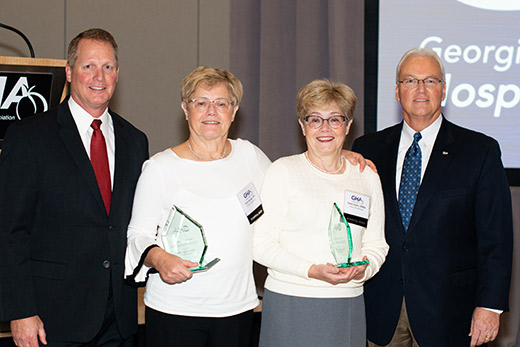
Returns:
(308, 301)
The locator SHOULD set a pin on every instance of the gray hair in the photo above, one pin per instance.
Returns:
(420, 52)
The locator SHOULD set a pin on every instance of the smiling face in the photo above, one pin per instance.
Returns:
(211, 123)
(421, 105)
(325, 140)
(94, 76)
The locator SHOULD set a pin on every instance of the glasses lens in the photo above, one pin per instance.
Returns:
(336, 121)
(314, 121)
(200, 103)
(222, 104)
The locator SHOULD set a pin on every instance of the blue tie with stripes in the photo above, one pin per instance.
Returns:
(410, 180)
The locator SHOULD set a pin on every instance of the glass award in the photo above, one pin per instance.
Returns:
(340, 240)
(185, 238)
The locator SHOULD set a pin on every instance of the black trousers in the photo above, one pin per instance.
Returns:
(168, 330)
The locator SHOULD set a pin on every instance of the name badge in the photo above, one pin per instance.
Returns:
(356, 208)
(250, 201)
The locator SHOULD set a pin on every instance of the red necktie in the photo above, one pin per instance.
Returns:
(99, 160)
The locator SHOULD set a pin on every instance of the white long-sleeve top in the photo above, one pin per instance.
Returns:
(293, 233)
(207, 192)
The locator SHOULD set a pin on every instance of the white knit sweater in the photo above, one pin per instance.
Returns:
(292, 235)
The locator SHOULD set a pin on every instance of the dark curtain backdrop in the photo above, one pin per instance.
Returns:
(279, 46)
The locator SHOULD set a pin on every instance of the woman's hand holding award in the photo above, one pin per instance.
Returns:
(185, 238)
(340, 239)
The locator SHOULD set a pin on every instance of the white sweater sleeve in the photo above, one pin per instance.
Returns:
(266, 247)
(147, 214)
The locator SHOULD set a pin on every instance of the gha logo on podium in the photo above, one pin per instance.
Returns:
(23, 94)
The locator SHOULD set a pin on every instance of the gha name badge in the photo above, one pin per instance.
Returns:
(250, 201)
(356, 208)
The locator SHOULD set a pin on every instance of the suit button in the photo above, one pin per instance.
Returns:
(110, 227)
(401, 281)
(106, 264)
(405, 248)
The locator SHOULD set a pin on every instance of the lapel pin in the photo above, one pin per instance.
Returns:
(444, 153)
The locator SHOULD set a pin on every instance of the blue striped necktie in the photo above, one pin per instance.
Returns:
(410, 180)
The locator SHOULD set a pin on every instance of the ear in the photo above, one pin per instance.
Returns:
(348, 127)
(234, 113)
(397, 97)
(117, 74)
(302, 126)
(184, 107)
(443, 91)
(68, 72)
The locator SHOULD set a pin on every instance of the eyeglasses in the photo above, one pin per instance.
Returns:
(316, 122)
(202, 104)
(429, 82)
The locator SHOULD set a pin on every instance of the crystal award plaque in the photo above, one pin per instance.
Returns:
(340, 240)
(185, 238)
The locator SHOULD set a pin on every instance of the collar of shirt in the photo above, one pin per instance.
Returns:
(429, 134)
(83, 121)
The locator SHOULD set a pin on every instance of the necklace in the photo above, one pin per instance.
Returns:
(342, 159)
(206, 159)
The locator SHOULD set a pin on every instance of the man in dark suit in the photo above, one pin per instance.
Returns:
(448, 222)
(66, 191)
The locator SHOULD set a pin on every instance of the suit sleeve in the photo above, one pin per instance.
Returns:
(18, 201)
(494, 225)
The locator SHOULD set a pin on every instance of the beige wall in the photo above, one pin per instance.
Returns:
(160, 41)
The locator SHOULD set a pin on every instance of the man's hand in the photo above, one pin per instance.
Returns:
(484, 326)
(356, 158)
(172, 269)
(26, 332)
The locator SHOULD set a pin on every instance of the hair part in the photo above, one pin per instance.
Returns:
(322, 92)
(91, 34)
(420, 52)
(208, 76)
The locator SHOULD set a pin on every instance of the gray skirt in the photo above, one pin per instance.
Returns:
(295, 321)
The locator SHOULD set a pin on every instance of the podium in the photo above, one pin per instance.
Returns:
(29, 86)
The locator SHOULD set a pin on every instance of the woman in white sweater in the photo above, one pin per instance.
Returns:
(308, 301)
(203, 176)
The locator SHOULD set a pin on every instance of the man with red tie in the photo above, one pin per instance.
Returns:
(67, 180)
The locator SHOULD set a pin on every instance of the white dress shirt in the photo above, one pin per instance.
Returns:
(83, 121)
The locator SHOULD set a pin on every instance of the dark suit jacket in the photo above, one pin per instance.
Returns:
(457, 252)
(56, 237)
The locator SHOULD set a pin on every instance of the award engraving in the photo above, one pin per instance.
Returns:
(340, 239)
(185, 238)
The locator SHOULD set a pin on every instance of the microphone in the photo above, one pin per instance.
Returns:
(22, 35)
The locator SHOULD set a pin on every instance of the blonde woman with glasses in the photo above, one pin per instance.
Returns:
(308, 301)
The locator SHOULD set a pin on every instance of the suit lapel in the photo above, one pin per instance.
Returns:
(388, 164)
(122, 158)
(439, 160)
(71, 139)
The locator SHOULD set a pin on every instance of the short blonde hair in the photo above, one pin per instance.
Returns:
(322, 92)
(209, 76)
